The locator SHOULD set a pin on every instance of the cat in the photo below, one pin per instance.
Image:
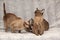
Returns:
(8, 18)
(30, 25)
(17, 25)
(31, 21)
(40, 24)
(46, 25)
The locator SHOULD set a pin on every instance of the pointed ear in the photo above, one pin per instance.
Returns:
(42, 10)
(36, 10)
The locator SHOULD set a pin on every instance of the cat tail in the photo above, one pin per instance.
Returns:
(4, 9)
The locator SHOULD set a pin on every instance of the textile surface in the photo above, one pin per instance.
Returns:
(25, 9)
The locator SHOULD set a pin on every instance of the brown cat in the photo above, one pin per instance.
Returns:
(40, 24)
(17, 25)
(8, 18)
(46, 24)
(38, 27)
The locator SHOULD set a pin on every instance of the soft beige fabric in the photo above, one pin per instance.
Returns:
(26, 8)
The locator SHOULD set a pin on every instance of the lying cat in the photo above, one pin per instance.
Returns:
(30, 25)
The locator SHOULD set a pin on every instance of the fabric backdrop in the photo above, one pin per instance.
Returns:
(25, 9)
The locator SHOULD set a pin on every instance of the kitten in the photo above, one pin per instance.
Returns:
(17, 25)
(40, 24)
(46, 24)
(30, 25)
(8, 18)
(31, 21)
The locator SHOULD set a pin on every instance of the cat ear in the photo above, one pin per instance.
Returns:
(42, 10)
(36, 10)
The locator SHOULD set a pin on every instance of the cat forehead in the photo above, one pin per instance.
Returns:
(37, 10)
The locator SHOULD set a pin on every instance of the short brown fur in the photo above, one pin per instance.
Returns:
(8, 18)
(40, 24)
(17, 25)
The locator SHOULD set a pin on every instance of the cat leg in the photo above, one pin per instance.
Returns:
(41, 29)
(6, 27)
(13, 30)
